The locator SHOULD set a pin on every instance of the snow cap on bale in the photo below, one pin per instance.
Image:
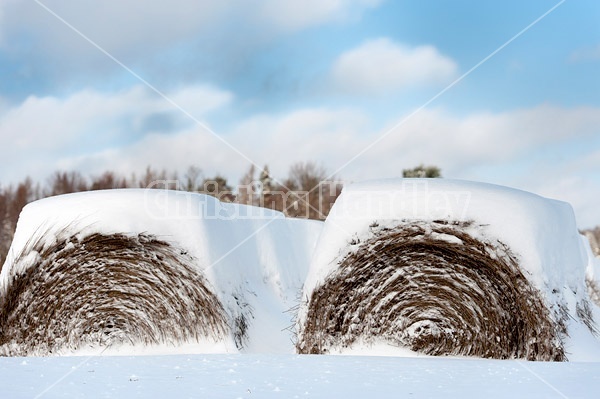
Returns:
(424, 225)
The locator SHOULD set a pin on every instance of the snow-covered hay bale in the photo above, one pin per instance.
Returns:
(446, 268)
(433, 288)
(145, 268)
(101, 290)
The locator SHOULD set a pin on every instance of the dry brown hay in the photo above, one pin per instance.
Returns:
(435, 289)
(102, 290)
(583, 309)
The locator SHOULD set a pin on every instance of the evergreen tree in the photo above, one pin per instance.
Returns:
(422, 171)
(265, 180)
(219, 188)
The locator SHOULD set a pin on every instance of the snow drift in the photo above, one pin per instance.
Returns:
(149, 269)
(444, 267)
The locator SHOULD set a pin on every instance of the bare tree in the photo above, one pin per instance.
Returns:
(153, 179)
(305, 176)
(311, 194)
(66, 183)
(219, 188)
(6, 230)
(193, 179)
(12, 202)
(246, 191)
(107, 181)
(22, 196)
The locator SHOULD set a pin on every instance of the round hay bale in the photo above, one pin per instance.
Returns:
(101, 290)
(434, 288)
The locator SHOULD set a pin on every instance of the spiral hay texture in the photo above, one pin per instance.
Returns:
(102, 290)
(435, 289)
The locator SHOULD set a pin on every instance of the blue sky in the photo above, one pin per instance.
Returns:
(310, 80)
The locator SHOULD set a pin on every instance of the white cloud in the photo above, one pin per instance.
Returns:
(192, 146)
(319, 134)
(3, 23)
(277, 141)
(381, 65)
(128, 28)
(118, 26)
(296, 15)
(198, 100)
(461, 143)
(42, 131)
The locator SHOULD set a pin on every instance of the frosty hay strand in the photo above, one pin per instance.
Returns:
(102, 290)
(435, 289)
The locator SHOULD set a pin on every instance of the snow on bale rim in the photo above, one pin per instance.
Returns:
(104, 289)
(448, 268)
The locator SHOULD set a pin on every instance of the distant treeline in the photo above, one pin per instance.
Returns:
(307, 191)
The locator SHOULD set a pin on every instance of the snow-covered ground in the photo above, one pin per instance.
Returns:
(293, 376)
(263, 266)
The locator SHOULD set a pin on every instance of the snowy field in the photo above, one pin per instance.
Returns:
(293, 376)
(264, 271)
